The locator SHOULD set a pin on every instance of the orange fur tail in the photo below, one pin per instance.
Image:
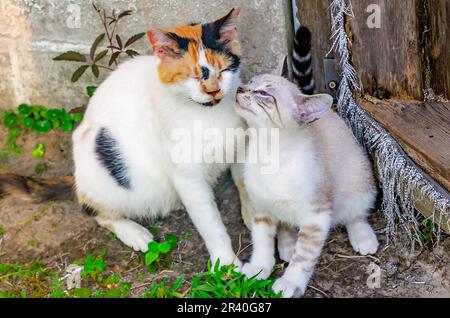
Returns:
(36, 190)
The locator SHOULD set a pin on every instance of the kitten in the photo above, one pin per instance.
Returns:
(324, 180)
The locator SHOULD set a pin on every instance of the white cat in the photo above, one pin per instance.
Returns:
(324, 179)
(123, 148)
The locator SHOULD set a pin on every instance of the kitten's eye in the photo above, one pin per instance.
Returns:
(224, 70)
(262, 93)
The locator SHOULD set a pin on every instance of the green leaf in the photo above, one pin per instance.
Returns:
(150, 257)
(165, 247)
(79, 72)
(100, 55)
(10, 120)
(91, 90)
(42, 126)
(153, 247)
(54, 114)
(172, 239)
(28, 122)
(95, 70)
(134, 38)
(96, 43)
(71, 56)
(14, 133)
(38, 151)
(76, 117)
(114, 57)
(40, 168)
(24, 109)
(82, 293)
(67, 125)
(55, 123)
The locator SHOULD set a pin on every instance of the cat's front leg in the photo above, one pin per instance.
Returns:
(198, 199)
(238, 177)
(264, 229)
(310, 242)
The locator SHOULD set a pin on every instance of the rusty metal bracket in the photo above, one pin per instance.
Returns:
(332, 78)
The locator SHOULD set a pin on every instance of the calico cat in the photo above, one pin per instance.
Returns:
(122, 150)
(324, 180)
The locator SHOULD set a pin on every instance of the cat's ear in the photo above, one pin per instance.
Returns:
(311, 108)
(226, 26)
(164, 44)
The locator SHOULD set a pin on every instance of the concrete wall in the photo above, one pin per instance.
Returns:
(32, 32)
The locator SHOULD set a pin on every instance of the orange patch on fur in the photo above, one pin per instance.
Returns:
(172, 70)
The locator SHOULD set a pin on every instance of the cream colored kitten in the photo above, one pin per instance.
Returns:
(324, 179)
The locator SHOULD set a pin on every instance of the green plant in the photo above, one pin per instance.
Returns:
(426, 232)
(156, 257)
(117, 46)
(217, 282)
(39, 119)
(2, 232)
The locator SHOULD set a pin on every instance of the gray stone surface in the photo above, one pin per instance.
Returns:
(32, 32)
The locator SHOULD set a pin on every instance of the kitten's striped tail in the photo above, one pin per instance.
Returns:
(36, 190)
(302, 61)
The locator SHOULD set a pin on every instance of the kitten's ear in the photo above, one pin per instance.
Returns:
(311, 108)
(227, 26)
(164, 44)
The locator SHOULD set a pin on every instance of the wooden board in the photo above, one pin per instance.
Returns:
(439, 51)
(316, 16)
(388, 59)
(422, 129)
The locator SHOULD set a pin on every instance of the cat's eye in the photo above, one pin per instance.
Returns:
(224, 70)
(262, 93)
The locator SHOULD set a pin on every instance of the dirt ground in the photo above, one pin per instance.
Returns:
(61, 234)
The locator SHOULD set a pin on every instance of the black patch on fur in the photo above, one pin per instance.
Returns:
(182, 43)
(211, 40)
(109, 155)
(205, 73)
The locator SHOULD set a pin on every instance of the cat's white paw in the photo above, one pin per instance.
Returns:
(287, 288)
(251, 270)
(133, 235)
(363, 239)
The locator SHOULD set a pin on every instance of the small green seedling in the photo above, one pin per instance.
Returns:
(158, 251)
(38, 151)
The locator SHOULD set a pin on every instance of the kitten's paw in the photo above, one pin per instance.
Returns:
(287, 288)
(362, 238)
(251, 270)
(133, 235)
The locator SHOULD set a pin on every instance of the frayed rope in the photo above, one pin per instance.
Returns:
(402, 182)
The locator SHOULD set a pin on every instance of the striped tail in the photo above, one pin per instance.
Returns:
(36, 190)
(302, 61)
